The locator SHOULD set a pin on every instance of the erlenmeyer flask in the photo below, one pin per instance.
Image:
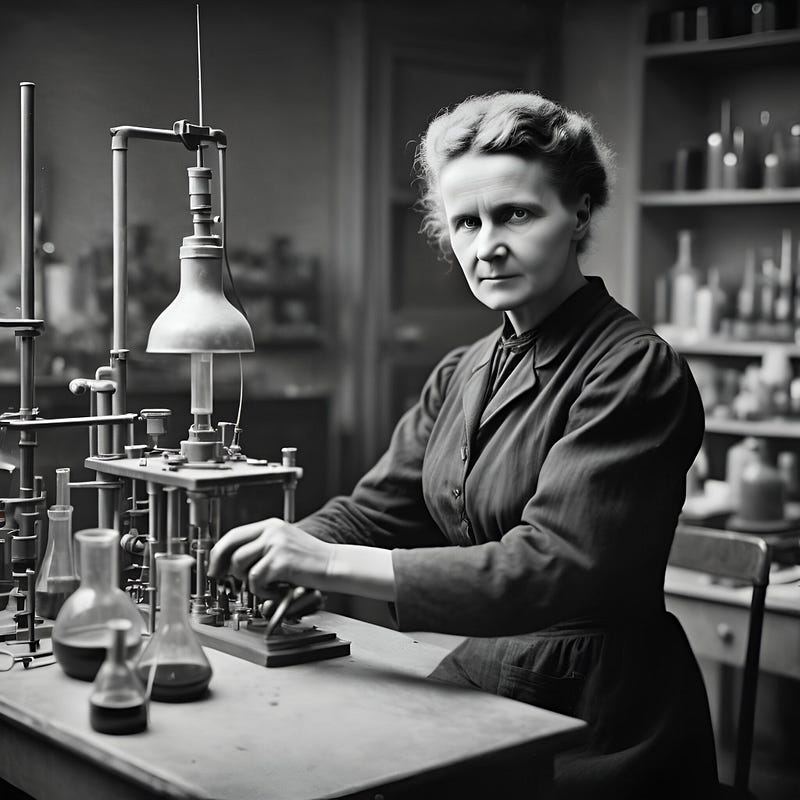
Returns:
(57, 576)
(173, 661)
(80, 633)
(118, 704)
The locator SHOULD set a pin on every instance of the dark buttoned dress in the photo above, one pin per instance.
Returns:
(530, 498)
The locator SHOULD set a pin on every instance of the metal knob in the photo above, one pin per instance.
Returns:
(725, 632)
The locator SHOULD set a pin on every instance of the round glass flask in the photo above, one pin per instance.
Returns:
(80, 633)
(118, 703)
(173, 665)
(57, 576)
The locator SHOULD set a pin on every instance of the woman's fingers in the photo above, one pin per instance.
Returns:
(247, 555)
(219, 558)
(259, 576)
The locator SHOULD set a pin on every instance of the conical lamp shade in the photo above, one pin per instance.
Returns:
(200, 319)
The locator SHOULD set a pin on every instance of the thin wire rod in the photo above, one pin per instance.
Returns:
(241, 393)
(199, 85)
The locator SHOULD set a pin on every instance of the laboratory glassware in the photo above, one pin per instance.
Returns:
(58, 578)
(80, 633)
(118, 704)
(173, 665)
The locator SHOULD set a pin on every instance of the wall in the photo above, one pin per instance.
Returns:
(599, 77)
(267, 81)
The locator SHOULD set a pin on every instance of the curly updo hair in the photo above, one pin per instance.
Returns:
(566, 143)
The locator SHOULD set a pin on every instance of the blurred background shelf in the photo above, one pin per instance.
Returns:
(772, 429)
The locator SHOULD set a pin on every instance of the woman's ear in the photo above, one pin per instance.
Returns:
(583, 216)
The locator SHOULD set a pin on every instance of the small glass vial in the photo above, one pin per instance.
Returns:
(117, 704)
(80, 633)
(684, 280)
(57, 576)
(173, 665)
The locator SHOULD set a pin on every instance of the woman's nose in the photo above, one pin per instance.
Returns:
(492, 250)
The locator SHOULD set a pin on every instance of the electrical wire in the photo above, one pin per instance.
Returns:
(223, 213)
(241, 396)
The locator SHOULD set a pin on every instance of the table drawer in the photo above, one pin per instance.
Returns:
(716, 632)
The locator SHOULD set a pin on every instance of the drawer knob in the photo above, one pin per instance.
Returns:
(725, 632)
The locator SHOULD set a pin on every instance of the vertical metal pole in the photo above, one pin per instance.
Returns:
(173, 518)
(27, 439)
(27, 198)
(153, 544)
(120, 241)
(119, 352)
(106, 502)
(289, 459)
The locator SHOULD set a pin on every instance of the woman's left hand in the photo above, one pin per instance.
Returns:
(268, 552)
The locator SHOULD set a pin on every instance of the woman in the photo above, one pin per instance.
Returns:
(529, 498)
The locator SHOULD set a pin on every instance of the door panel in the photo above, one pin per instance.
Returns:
(421, 304)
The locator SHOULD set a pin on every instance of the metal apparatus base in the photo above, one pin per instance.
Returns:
(295, 644)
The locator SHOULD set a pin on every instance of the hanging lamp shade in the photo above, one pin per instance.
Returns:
(200, 319)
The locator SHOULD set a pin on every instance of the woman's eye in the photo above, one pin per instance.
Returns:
(468, 223)
(518, 215)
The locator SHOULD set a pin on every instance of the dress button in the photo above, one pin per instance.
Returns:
(456, 492)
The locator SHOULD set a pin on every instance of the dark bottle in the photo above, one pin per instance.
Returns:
(117, 704)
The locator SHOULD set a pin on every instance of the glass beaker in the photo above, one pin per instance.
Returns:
(173, 665)
(118, 704)
(57, 576)
(80, 633)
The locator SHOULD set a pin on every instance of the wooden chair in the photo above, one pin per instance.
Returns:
(742, 557)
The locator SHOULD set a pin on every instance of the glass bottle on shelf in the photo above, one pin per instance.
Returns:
(118, 704)
(80, 633)
(684, 280)
(57, 578)
(747, 298)
(173, 665)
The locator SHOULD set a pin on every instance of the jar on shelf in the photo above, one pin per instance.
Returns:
(684, 281)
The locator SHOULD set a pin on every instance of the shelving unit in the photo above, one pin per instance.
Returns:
(762, 429)
(682, 88)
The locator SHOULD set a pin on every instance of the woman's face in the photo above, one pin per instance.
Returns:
(512, 235)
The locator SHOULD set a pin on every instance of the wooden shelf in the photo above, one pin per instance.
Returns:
(725, 347)
(719, 197)
(753, 41)
(772, 428)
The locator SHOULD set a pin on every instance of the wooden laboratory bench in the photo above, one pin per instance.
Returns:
(715, 619)
(369, 725)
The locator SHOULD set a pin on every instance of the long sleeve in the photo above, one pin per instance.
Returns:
(594, 533)
(387, 508)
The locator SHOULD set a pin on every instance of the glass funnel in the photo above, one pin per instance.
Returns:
(118, 704)
(57, 576)
(173, 665)
(80, 633)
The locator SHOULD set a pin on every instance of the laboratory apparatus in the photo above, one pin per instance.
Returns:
(57, 578)
(118, 704)
(173, 664)
(141, 488)
(80, 633)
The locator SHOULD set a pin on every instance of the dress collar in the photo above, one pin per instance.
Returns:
(562, 326)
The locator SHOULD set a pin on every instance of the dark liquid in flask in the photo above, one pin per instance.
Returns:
(177, 683)
(83, 662)
(48, 604)
(118, 717)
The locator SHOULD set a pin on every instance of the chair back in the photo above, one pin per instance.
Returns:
(742, 557)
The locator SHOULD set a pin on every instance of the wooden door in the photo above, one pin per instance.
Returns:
(419, 305)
